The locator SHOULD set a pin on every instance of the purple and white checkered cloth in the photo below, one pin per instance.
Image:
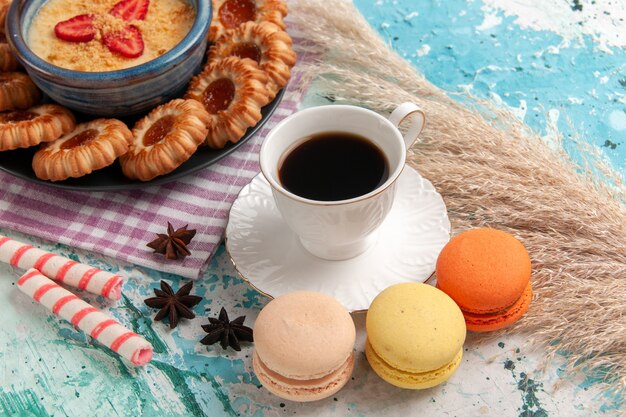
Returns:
(119, 224)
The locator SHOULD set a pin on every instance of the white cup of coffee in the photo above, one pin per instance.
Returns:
(333, 172)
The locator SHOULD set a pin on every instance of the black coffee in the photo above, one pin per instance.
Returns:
(333, 166)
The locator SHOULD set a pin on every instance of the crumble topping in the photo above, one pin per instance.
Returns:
(165, 25)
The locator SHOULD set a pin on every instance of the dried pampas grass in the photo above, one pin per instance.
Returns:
(493, 171)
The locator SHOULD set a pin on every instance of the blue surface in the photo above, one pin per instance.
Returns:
(516, 64)
(48, 368)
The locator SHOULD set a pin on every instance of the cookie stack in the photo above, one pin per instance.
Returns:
(24, 123)
(248, 63)
(249, 60)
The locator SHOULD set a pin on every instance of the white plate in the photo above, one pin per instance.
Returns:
(268, 255)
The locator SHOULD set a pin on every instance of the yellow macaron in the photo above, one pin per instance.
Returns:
(415, 335)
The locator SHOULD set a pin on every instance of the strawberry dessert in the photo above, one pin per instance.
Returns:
(108, 35)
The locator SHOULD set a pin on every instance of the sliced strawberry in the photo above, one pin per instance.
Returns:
(77, 29)
(127, 42)
(131, 9)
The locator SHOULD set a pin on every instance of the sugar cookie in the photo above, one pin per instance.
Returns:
(25, 128)
(229, 14)
(90, 146)
(264, 43)
(232, 91)
(17, 91)
(165, 138)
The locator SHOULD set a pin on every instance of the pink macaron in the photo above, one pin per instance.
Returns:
(304, 346)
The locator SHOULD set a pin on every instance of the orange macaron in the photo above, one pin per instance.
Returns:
(487, 273)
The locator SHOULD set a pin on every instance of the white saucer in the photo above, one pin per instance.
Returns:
(268, 255)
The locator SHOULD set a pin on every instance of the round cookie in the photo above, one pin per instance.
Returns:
(303, 346)
(232, 91)
(90, 146)
(26, 128)
(264, 43)
(415, 335)
(4, 8)
(8, 62)
(17, 91)
(487, 273)
(230, 14)
(164, 139)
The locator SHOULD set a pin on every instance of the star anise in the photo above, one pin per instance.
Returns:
(228, 333)
(174, 243)
(173, 305)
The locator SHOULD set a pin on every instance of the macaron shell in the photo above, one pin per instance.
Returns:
(487, 323)
(415, 327)
(410, 380)
(304, 335)
(302, 390)
(483, 270)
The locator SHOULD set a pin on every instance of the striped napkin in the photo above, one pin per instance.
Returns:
(119, 224)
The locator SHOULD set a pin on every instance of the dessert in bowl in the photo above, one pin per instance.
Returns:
(106, 75)
(135, 60)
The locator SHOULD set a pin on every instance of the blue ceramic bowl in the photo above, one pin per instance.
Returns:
(112, 93)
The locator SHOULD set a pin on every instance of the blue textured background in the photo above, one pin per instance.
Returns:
(47, 368)
(586, 85)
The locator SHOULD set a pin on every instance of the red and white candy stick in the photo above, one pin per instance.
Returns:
(61, 269)
(89, 319)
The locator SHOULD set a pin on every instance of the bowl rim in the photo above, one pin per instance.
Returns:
(196, 35)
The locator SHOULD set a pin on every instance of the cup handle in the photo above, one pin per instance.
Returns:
(418, 119)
